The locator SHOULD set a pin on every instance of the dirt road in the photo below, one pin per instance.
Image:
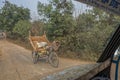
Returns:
(16, 64)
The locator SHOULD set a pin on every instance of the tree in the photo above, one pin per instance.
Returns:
(92, 33)
(86, 36)
(10, 14)
(58, 17)
(37, 28)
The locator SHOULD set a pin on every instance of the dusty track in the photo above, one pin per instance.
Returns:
(16, 64)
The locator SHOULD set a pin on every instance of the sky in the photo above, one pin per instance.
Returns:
(32, 5)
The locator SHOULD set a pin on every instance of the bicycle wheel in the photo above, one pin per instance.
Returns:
(53, 59)
(34, 57)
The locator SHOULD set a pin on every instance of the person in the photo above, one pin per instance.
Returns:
(56, 45)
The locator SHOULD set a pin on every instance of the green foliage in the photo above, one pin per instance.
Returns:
(58, 17)
(10, 14)
(84, 37)
(91, 34)
(22, 28)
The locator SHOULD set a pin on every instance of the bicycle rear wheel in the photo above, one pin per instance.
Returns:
(53, 59)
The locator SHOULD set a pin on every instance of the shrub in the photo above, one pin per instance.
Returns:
(22, 29)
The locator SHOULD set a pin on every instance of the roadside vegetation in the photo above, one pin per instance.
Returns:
(82, 37)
